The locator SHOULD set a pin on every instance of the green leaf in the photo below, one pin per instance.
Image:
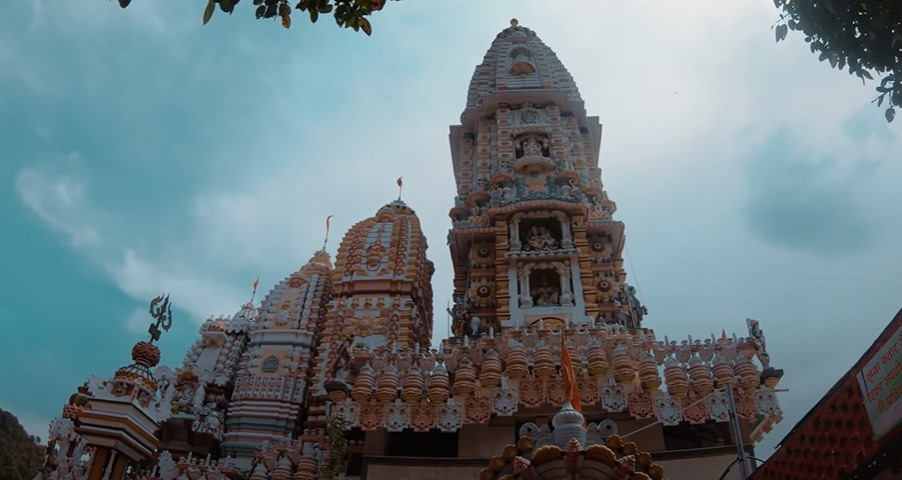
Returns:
(284, 10)
(880, 100)
(261, 10)
(834, 60)
(365, 26)
(890, 114)
(314, 15)
(208, 12)
(227, 6)
(124, 3)
(258, 2)
(781, 32)
(325, 8)
(867, 74)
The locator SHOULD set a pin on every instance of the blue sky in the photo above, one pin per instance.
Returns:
(143, 153)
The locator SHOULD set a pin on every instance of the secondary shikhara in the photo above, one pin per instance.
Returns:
(332, 375)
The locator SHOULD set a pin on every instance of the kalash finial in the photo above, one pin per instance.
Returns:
(514, 22)
(161, 311)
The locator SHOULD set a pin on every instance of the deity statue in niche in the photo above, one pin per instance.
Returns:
(540, 236)
(546, 288)
(531, 147)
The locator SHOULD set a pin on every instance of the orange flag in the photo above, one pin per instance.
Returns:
(256, 282)
(400, 183)
(571, 389)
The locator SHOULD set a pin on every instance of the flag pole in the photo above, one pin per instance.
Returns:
(328, 224)
(254, 293)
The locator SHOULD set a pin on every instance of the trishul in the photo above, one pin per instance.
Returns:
(161, 311)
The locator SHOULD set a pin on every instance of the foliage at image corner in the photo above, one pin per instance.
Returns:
(335, 431)
(862, 36)
(347, 13)
(20, 454)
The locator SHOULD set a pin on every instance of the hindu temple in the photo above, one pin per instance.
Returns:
(550, 371)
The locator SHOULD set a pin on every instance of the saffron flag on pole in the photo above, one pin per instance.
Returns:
(400, 182)
(571, 389)
(256, 282)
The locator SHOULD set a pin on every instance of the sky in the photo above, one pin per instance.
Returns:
(143, 153)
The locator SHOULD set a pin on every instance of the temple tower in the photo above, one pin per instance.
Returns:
(383, 294)
(270, 387)
(533, 239)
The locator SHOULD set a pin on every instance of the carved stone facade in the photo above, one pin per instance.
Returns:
(538, 264)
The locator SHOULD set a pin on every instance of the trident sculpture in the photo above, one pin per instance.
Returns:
(161, 311)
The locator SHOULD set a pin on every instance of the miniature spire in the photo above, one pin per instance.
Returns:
(328, 224)
(400, 183)
(161, 311)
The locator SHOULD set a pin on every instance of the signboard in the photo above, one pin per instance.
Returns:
(881, 383)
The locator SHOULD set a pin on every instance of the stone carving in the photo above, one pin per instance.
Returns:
(348, 410)
(460, 314)
(450, 417)
(718, 407)
(546, 293)
(695, 409)
(271, 364)
(504, 402)
(540, 238)
(168, 468)
(209, 419)
(477, 410)
(629, 310)
(530, 147)
(613, 398)
(397, 416)
(757, 337)
(529, 115)
(668, 409)
(422, 417)
(768, 403)
(371, 415)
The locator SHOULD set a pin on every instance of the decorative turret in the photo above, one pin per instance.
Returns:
(109, 424)
(270, 386)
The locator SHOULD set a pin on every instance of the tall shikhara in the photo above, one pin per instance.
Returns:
(538, 273)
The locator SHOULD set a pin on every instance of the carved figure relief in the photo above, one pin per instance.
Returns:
(539, 237)
(271, 364)
(532, 146)
(546, 288)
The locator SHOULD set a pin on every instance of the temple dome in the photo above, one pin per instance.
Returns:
(286, 305)
(519, 60)
(390, 244)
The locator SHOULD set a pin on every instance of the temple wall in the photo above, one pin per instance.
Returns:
(482, 441)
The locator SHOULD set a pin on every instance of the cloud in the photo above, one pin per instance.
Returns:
(811, 202)
(59, 202)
